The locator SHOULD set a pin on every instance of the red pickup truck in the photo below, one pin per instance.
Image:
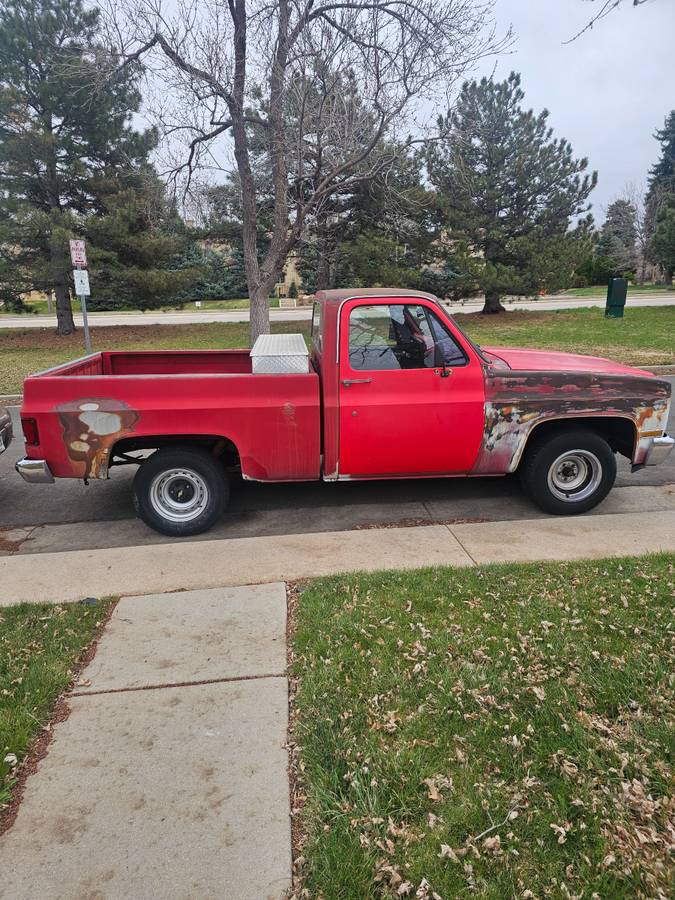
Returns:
(393, 389)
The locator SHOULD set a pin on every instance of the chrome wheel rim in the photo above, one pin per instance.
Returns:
(574, 476)
(179, 495)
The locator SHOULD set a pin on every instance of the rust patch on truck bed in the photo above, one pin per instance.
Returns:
(90, 429)
(515, 402)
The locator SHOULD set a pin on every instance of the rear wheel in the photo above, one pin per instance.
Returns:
(569, 473)
(180, 491)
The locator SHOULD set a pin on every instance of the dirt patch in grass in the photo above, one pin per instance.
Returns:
(9, 544)
(501, 731)
(416, 523)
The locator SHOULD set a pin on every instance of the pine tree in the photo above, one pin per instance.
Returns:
(663, 241)
(660, 201)
(509, 192)
(664, 170)
(222, 274)
(382, 233)
(616, 250)
(136, 244)
(63, 122)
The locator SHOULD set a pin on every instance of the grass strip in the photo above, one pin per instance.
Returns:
(40, 645)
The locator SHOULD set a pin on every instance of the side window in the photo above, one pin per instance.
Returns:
(316, 324)
(400, 336)
(447, 350)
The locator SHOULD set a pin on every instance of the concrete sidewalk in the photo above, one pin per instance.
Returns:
(168, 779)
(69, 576)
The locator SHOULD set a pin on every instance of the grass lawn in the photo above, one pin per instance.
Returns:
(643, 337)
(40, 307)
(243, 303)
(39, 645)
(504, 731)
(600, 290)
(34, 349)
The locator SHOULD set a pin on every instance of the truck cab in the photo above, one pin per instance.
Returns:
(402, 387)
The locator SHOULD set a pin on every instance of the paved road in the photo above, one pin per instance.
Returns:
(305, 313)
(67, 514)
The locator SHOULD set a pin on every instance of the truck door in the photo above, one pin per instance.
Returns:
(411, 391)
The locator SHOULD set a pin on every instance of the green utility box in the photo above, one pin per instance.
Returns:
(616, 297)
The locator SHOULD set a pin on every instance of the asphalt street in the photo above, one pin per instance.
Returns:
(68, 514)
(189, 317)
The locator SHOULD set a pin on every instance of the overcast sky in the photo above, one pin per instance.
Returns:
(607, 91)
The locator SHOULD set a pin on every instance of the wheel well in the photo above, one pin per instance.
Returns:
(219, 446)
(619, 432)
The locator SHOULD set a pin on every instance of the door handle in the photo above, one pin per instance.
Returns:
(349, 381)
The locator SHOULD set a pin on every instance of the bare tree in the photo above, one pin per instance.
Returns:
(306, 90)
(635, 195)
(602, 8)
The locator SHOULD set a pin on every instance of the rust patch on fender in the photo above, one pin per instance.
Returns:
(90, 429)
(517, 401)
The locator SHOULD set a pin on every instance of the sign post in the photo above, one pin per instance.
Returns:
(78, 257)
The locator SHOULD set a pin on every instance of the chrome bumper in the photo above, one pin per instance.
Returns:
(34, 471)
(658, 450)
(5, 436)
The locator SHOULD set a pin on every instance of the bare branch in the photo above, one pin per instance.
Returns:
(313, 97)
(606, 8)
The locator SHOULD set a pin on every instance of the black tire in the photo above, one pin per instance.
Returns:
(181, 491)
(568, 473)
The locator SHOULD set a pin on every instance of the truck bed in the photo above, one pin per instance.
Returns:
(156, 362)
(84, 409)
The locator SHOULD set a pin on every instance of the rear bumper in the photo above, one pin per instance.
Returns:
(658, 450)
(34, 471)
(6, 433)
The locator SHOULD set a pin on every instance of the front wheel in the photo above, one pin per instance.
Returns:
(180, 491)
(569, 473)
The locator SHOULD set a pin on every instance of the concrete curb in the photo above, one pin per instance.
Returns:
(659, 370)
(159, 568)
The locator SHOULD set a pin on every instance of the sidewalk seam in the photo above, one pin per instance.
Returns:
(176, 684)
(473, 561)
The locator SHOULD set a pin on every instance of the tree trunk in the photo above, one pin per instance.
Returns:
(668, 276)
(64, 310)
(323, 278)
(65, 323)
(323, 262)
(492, 303)
(259, 312)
